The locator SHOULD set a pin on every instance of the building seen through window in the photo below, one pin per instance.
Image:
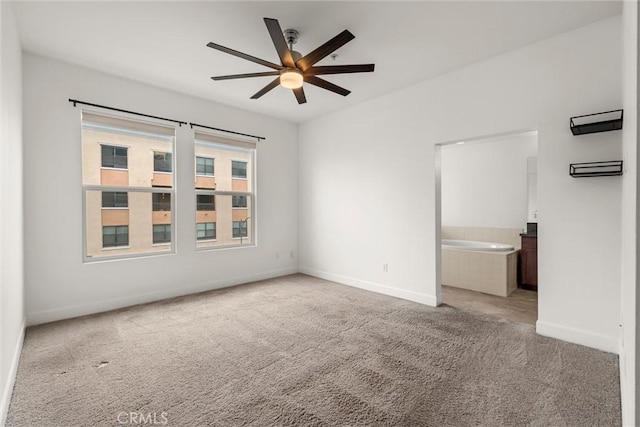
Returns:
(128, 174)
(224, 191)
(127, 177)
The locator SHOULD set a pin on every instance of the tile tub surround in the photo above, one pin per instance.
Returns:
(492, 273)
(510, 236)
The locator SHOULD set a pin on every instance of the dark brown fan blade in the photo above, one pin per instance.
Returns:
(339, 69)
(279, 42)
(245, 56)
(267, 88)
(244, 76)
(317, 81)
(335, 43)
(299, 93)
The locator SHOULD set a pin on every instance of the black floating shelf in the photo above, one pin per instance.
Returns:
(593, 169)
(598, 122)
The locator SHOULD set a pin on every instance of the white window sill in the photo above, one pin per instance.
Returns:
(115, 248)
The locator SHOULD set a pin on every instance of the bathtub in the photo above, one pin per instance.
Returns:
(471, 245)
(485, 267)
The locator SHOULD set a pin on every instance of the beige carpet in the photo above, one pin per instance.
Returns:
(303, 351)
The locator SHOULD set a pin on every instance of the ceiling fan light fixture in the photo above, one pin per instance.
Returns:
(291, 78)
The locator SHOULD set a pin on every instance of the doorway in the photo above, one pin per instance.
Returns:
(485, 209)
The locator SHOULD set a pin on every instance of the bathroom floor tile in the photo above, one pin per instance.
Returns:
(521, 306)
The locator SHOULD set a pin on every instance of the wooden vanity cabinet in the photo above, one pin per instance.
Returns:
(529, 263)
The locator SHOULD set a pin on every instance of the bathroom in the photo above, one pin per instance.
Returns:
(489, 225)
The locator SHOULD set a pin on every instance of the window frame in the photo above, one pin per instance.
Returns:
(154, 203)
(213, 166)
(207, 239)
(233, 229)
(170, 137)
(153, 234)
(114, 200)
(233, 198)
(165, 159)
(213, 202)
(247, 146)
(246, 169)
(115, 247)
(115, 147)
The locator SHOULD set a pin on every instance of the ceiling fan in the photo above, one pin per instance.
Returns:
(295, 68)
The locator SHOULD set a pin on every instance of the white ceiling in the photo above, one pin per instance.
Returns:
(164, 43)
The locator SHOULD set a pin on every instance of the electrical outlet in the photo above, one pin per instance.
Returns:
(291, 254)
(385, 267)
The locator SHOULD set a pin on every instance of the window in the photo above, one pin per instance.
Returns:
(127, 204)
(162, 162)
(239, 229)
(238, 169)
(114, 157)
(161, 201)
(161, 233)
(232, 190)
(206, 231)
(204, 166)
(206, 202)
(115, 199)
(239, 201)
(114, 236)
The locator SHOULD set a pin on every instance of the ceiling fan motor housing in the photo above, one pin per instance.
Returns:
(291, 36)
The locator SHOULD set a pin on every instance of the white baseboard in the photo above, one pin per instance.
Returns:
(11, 378)
(68, 312)
(578, 336)
(373, 287)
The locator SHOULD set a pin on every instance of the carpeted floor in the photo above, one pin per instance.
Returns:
(303, 351)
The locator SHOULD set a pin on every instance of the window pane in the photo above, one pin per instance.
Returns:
(239, 201)
(114, 157)
(162, 162)
(206, 231)
(204, 166)
(238, 169)
(162, 233)
(114, 236)
(115, 199)
(230, 190)
(239, 229)
(107, 156)
(161, 201)
(205, 202)
(227, 225)
(127, 154)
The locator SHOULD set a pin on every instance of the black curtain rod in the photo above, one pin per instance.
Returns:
(228, 131)
(75, 101)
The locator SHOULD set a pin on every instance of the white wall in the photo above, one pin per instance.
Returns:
(484, 183)
(628, 363)
(58, 284)
(11, 240)
(368, 190)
